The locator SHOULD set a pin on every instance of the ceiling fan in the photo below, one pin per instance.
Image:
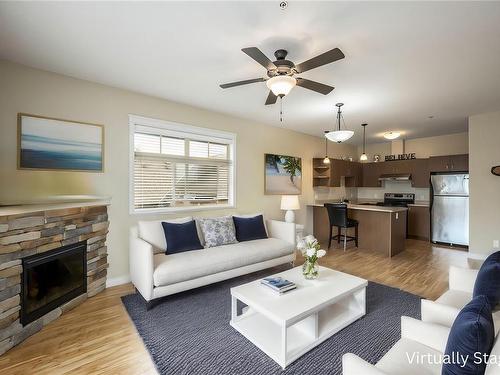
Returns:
(281, 72)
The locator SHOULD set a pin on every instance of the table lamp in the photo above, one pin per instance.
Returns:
(290, 203)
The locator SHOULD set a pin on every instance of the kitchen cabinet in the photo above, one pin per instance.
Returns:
(350, 170)
(420, 175)
(449, 163)
(419, 222)
(371, 173)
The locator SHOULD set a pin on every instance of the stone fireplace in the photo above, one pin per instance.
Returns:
(52, 258)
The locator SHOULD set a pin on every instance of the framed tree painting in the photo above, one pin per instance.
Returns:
(283, 175)
(54, 144)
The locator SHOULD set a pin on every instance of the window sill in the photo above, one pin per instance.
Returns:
(173, 210)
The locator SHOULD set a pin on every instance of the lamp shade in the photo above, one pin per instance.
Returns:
(281, 85)
(290, 202)
(339, 135)
(363, 157)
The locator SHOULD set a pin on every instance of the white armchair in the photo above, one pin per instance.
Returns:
(446, 308)
(416, 337)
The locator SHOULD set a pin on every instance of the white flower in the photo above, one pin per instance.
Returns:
(321, 253)
(309, 238)
(301, 245)
(310, 252)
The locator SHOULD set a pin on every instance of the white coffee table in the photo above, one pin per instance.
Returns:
(287, 326)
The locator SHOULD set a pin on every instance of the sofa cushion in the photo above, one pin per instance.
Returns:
(171, 269)
(251, 228)
(181, 237)
(455, 298)
(488, 279)
(217, 231)
(472, 332)
(397, 360)
(152, 231)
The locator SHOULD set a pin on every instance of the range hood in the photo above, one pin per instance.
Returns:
(395, 177)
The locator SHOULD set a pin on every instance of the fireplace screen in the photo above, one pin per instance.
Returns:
(51, 279)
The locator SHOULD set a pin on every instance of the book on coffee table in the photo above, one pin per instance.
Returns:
(278, 284)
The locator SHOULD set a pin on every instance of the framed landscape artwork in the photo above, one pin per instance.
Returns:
(55, 144)
(283, 175)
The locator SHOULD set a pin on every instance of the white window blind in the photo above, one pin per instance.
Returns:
(172, 170)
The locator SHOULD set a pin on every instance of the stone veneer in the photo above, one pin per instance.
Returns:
(25, 234)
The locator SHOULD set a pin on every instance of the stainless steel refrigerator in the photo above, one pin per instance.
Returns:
(450, 208)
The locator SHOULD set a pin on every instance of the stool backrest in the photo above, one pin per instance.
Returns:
(337, 214)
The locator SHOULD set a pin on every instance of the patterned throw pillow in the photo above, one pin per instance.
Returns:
(217, 231)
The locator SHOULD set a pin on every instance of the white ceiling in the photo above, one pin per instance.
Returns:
(404, 61)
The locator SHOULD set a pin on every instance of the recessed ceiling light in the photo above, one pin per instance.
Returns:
(391, 135)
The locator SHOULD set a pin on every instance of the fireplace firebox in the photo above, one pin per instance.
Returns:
(52, 278)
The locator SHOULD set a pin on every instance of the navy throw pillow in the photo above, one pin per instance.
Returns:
(181, 237)
(472, 335)
(488, 279)
(249, 228)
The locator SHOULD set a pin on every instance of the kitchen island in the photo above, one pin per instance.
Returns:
(381, 228)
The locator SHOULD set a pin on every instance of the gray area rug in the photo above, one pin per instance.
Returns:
(189, 333)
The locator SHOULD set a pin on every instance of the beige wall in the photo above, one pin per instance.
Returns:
(484, 211)
(450, 144)
(33, 91)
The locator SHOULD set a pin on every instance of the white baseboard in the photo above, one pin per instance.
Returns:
(114, 281)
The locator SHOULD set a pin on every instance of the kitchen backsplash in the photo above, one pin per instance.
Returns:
(326, 193)
(421, 194)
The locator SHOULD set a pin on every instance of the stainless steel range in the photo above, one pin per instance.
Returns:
(397, 199)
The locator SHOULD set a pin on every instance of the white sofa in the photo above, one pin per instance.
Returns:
(155, 274)
(446, 308)
(421, 338)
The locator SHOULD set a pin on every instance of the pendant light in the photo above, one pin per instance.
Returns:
(339, 135)
(363, 156)
(326, 160)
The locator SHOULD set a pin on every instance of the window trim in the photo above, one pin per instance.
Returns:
(199, 133)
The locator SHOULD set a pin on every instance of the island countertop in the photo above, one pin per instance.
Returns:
(366, 207)
(380, 228)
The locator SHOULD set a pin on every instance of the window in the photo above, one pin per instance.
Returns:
(179, 167)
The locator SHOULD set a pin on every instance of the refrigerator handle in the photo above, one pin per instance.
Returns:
(431, 193)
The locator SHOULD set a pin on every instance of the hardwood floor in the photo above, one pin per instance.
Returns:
(98, 337)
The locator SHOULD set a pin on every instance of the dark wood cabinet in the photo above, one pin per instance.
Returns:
(419, 222)
(349, 170)
(367, 174)
(371, 173)
(420, 174)
(449, 163)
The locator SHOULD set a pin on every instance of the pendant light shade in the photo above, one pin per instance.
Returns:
(281, 85)
(339, 135)
(363, 156)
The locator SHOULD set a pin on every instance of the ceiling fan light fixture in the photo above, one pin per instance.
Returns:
(391, 135)
(281, 85)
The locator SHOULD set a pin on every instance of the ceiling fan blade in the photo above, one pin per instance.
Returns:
(271, 98)
(314, 86)
(239, 83)
(323, 59)
(258, 56)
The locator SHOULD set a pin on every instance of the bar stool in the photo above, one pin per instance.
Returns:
(337, 215)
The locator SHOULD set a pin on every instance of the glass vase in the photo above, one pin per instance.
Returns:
(310, 270)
